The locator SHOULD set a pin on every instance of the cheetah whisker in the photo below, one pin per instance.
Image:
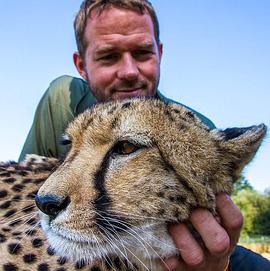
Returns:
(135, 235)
(143, 241)
(140, 217)
(33, 227)
(108, 233)
(25, 221)
(24, 200)
(149, 234)
(119, 240)
(110, 239)
(7, 220)
(107, 260)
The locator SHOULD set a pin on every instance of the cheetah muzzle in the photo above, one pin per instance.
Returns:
(132, 167)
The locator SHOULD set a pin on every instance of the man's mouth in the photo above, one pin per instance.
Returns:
(128, 92)
(128, 89)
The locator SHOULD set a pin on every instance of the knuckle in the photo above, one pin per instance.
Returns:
(200, 216)
(222, 244)
(236, 222)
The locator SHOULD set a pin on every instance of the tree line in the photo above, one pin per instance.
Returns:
(255, 207)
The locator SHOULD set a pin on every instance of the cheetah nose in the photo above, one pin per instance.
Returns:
(51, 205)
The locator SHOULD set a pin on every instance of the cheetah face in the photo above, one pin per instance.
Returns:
(133, 166)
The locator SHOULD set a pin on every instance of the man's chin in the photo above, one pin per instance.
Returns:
(120, 95)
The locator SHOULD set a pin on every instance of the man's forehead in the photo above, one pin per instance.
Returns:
(113, 19)
(97, 12)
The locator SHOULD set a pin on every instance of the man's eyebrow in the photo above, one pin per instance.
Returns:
(109, 48)
(104, 49)
(145, 45)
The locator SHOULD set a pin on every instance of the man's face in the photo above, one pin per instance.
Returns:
(122, 57)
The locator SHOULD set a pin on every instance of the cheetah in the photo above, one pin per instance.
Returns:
(132, 167)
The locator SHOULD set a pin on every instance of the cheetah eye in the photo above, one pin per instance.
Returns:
(65, 140)
(125, 148)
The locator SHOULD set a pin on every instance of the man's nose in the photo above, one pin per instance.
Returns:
(128, 69)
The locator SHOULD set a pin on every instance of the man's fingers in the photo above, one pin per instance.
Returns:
(189, 249)
(219, 237)
(231, 217)
(214, 236)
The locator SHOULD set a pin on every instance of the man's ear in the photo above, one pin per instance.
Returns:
(239, 145)
(79, 63)
(160, 50)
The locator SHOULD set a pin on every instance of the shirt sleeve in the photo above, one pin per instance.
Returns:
(51, 118)
(244, 259)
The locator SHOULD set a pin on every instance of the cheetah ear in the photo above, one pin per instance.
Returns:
(239, 145)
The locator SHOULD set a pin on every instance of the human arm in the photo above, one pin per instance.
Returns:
(51, 117)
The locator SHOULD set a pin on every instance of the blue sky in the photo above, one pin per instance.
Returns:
(216, 60)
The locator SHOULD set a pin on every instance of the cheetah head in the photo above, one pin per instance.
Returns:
(132, 167)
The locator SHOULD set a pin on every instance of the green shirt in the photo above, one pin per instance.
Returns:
(65, 98)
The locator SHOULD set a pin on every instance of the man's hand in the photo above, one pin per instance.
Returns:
(219, 238)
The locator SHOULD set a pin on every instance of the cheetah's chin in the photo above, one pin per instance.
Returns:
(157, 245)
(73, 245)
(76, 250)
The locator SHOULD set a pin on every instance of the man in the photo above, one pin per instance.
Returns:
(119, 54)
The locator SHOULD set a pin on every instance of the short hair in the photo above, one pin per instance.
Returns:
(140, 6)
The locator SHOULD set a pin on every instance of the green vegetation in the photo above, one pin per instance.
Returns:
(255, 207)
(255, 240)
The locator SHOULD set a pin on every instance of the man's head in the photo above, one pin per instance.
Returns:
(119, 51)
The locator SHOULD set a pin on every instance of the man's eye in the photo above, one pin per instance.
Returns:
(142, 54)
(125, 148)
(109, 57)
